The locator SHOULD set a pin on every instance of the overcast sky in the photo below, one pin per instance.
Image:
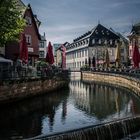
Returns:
(64, 20)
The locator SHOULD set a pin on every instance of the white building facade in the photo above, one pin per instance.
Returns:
(93, 44)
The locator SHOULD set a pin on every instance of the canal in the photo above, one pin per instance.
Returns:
(81, 104)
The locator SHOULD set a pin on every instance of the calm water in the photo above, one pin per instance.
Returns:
(82, 104)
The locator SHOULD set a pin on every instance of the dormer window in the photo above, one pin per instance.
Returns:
(103, 32)
(96, 32)
(28, 20)
(107, 33)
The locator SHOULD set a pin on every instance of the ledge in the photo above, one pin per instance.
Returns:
(131, 83)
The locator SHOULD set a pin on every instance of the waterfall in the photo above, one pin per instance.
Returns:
(113, 130)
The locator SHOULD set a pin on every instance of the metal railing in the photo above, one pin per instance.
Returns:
(15, 73)
(126, 72)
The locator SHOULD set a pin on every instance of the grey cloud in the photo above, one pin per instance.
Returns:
(63, 20)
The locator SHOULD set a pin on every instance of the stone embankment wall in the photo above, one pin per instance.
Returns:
(19, 89)
(116, 79)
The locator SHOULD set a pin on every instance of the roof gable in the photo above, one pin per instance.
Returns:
(33, 20)
(102, 32)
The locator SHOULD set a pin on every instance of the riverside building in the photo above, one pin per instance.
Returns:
(93, 45)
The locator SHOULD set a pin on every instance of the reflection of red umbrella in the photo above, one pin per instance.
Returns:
(136, 56)
(49, 56)
(63, 49)
(23, 49)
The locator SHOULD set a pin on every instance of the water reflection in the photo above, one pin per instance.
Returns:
(104, 101)
(26, 118)
(83, 104)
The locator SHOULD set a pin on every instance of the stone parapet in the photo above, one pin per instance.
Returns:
(116, 79)
(17, 89)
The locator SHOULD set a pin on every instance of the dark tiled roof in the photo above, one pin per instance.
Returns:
(82, 36)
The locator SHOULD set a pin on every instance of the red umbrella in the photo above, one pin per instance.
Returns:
(136, 56)
(23, 49)
(49, 56)
(63, 57)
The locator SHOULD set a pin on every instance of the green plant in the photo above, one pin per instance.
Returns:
(11, 21)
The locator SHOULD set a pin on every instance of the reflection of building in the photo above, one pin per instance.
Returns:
(94, 43)
(32, 117)
(42, 47)
(99, 100)
(31, 30)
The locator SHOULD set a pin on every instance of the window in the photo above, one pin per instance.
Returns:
(41, 54)
(111, 42)
(93, 52)
(93, 41)
(122, 58)
(82, 53)
(28, 39)
(110, 52)
(28, 20)
(122, 50)
(41, 44)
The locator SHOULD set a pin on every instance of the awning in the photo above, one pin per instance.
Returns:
(3, 60)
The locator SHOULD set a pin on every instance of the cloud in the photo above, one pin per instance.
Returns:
(64, 20)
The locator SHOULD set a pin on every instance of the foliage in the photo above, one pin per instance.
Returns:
(85, 67)
(42, 64)
(11, 21)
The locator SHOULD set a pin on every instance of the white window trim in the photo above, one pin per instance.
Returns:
(28, 40)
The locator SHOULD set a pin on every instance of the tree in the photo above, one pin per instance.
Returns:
(11, 21)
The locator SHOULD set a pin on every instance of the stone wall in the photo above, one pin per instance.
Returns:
(18, 89)
(116, 79)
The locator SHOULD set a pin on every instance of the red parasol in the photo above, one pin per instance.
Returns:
(49, 56)
(136, 56)
(23, 49)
